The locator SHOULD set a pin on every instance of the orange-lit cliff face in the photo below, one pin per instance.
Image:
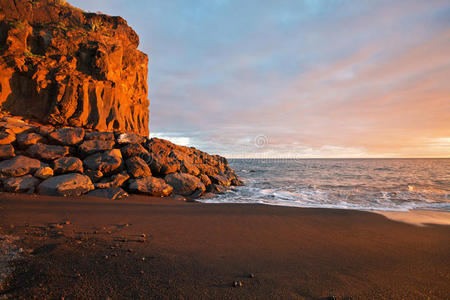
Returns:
(62, 66)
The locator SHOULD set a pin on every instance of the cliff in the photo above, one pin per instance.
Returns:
(65, 67)
(81, 73)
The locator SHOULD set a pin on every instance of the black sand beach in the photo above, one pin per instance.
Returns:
(152, 248)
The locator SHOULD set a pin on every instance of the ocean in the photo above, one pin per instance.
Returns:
(364, 184)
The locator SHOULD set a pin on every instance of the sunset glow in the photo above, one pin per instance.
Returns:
(316, 78)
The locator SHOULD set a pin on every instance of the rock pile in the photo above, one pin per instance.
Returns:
(72, 161)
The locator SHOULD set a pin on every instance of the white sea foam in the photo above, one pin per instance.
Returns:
(385, 185)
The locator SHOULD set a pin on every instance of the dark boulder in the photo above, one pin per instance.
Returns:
(106, 162)
(24, 184)
(216, 189)
(150, 186)
(67, 136)
(27, 139)
(116, 180)
(220, 180)
(205, 179)
(133, 150)
(92, 146)
(189, 167)
(184, 184)
(73, 184)
(47, 152)
(68, 164)
(44, 173)
(137, 167)
(19, 166)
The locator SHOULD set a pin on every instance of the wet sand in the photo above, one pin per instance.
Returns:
(197, 251)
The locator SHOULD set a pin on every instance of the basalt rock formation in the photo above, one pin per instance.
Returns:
(65, 67)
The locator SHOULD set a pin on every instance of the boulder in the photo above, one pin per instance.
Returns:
(45, 130)
(47, 152)
(43, 173)
(67, 136)
(24, 184)
(184, 184)
(220, 180)
(237, 181)
(92, 146)
(109, 193)
(16, 127)
(27, 139)
(94, 175)
(104, 136)
(106, 162)
(160, 165)
(6, 151)
(137, 167)
(67, 164)
(72, 184)
(188, 167)
(150, 186)
(205, 179)
(116, 180)
(19, 166)
(130, 138)
(133, 150)
(216, 189)
(7, 137)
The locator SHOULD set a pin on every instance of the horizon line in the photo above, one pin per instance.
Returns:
(337, 157)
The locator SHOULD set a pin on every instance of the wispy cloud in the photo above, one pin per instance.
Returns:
(317, 78)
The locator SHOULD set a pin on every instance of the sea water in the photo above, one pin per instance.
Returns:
(369, 184)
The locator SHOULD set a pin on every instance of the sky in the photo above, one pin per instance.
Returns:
(303, 79)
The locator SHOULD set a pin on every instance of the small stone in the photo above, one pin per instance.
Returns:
(141, 240)
(106, 256)
(67, 222)
(251, 275)
(130, 250)
(44, 173)
(78, 275)
(237, 283)
(143, 235)
(143, 258)
(142, 272)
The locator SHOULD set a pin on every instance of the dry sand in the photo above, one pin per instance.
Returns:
(197, 251)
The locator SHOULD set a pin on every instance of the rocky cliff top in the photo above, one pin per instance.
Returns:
(62, 66)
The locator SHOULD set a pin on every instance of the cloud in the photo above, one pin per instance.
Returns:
(318, 78)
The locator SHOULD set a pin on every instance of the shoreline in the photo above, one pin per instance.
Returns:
(197, 250)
